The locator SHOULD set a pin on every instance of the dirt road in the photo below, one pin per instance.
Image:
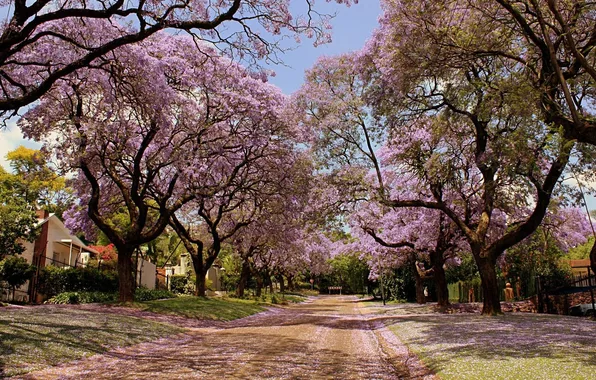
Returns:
(324, 338)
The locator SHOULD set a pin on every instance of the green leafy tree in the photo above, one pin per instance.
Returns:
(33, 180)
(348, 271)
(581, 251)
(15, 271)
(18, 223)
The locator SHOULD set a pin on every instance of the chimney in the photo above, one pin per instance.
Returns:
(42, 214)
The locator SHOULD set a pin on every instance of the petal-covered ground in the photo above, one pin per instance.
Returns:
(327, 337)
(511, 346)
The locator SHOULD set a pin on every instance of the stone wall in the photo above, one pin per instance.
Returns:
(560, 304)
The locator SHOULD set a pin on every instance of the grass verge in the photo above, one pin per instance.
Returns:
(219, 309)
(34, 338)
(513, 346)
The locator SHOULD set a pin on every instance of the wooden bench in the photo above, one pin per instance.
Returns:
(334, 288)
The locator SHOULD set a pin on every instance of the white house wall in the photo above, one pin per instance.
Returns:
(146, 274)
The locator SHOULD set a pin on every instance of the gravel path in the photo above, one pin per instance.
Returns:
(323, 338)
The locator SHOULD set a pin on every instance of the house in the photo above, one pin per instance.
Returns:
(213, 275)
(54, 246)
(58, 247)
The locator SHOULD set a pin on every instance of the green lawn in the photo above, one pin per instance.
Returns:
(220, 309)
(33, 338)
(513, 346)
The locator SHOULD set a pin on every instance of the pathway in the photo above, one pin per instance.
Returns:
(324, 338)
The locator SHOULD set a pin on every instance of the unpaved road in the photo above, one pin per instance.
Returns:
(324, 338)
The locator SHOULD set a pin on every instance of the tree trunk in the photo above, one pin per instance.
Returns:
(282, 287)
(290, 283)
(259, 285)
(200, 272)
(420, 298)
(125, 276)
(244, 274)
(438, 261)
(593, 258)
(491, 303)
(200, 283)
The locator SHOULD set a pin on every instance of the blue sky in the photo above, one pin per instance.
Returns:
(351, 28)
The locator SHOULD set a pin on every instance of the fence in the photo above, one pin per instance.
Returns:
(6, 294)
(471, 291)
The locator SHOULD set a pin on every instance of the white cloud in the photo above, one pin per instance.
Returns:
(10, 139)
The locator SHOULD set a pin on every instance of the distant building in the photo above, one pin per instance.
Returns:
(185, 265)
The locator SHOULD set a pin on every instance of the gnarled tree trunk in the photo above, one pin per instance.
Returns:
(200, 272)
(437, 260)
(244, 275)
(282, 286)
(491, 302)
(259, 279)
(593, 259)
(125, 274)
(420, 298)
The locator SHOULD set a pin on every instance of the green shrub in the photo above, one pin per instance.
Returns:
(274, 299)
(82, 297)
(15, 271)
(178, 283)
(54, 280)
(141, 294)
(144, 294)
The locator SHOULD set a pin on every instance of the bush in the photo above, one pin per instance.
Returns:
(141, 294)
(144, 294)
(82, 297)
(54, 280)
(178, 283)
(15, 271)
(183, 283)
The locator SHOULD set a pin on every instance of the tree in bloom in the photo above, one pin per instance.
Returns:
(44, 41)
(256, 168)
(547, 46)
(142, 128)
(451, 136)
(410, 236)
(279, 220)
(347, 139)
(458, 126)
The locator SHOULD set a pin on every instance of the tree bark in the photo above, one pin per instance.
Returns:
(282, 287)
(438, 261)
(244, 274)
(259, 285)
(200, 272)
(420, 298)
(290, 283)
(125, 277)
(200, 283)
(593, 258)
(491, 303)
(270, 284)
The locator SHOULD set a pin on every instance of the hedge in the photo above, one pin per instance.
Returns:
(54, 280)
(141, 294)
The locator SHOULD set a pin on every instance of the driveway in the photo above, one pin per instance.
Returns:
(323, 338)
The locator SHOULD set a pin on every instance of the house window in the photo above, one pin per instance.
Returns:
(55, 260)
